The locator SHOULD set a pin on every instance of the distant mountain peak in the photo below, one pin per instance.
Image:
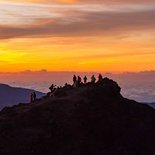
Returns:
(4, 85)
(12, 95)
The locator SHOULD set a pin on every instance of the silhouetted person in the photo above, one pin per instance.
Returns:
(52, 88)
(93, 79)
(85, 79)
(74, 79)
(34, 96)
(79, 80)
(31, 97)
(100, 78)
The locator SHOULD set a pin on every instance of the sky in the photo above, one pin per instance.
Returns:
(77, 35)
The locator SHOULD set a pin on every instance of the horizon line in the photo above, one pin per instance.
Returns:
(65, 71)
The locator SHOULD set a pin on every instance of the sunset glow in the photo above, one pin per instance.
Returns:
(72, 35)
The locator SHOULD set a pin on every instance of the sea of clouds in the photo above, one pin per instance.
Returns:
(137, 86)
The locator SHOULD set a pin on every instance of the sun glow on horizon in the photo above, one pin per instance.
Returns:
(67, 54)
(39, 34)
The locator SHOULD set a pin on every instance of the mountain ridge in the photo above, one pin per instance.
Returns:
(92, 119)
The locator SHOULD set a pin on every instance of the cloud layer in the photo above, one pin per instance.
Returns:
(138, 86)
(48, 20)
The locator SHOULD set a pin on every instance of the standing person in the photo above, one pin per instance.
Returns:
(79, 80)
(93, 79)
(100, 78)
(34, 96)
(85, 79)
(31, 97)
(74, 79)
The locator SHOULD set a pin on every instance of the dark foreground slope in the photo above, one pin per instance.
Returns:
(93, 119)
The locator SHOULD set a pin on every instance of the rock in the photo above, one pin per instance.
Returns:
(92, 119)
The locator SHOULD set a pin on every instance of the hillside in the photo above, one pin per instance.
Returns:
(93, 119)
(151, 105)
(11, 95)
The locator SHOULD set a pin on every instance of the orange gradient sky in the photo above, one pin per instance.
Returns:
(72, 35)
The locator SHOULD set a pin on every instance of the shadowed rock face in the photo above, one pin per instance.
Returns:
(93, 119)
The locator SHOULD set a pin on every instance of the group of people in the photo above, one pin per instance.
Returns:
(77, 80)
(33, 97)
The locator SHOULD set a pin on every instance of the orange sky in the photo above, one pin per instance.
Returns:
(68, 35)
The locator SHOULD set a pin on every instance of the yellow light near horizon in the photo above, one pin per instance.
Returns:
(68, 1)
(76, 54)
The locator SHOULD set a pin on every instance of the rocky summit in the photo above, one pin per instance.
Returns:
(91, 119)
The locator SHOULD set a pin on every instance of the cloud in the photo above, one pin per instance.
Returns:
(86, 1)
(41, 20)
(117, 1)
